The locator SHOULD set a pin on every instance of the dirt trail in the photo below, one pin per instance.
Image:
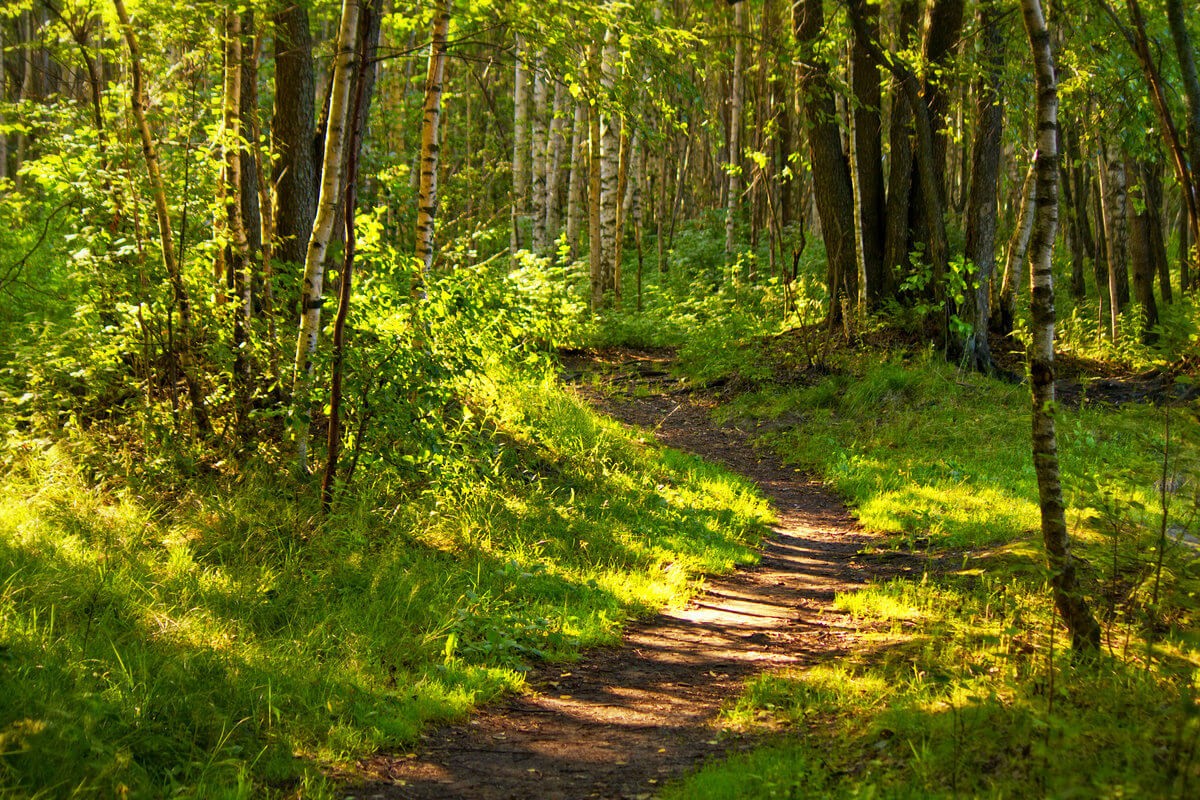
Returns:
(626, 719)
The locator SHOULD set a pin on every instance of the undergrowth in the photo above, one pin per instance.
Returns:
(175, 625)
(961, 682)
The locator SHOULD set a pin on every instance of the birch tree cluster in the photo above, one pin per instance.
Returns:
(186, 189)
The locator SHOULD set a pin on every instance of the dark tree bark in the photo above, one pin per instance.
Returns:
(831, 174)
(943, 28)
(1186, 53)
(293, 131)
(897, 235)
(1068, 595)
(985, 178)
(1152, 178)
(868, 157)
(1141, 253)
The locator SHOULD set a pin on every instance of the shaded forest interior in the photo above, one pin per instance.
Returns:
(293, 468)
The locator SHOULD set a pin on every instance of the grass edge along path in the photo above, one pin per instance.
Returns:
(210, 638)
(968, 688)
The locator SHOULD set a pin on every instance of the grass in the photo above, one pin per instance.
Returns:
(215, 638)
(961, 683)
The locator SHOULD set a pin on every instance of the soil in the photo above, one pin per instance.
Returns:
(626, 719)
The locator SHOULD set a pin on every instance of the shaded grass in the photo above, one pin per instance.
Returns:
(216, 638)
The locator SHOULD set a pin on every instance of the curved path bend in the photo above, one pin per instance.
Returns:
(626, 719)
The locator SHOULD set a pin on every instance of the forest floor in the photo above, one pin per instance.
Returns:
(625, 720)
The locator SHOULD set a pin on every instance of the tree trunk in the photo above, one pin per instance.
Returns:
(427, 199)
(1141, 253)
(357, 118)
(538, 144)
(137, 102)
(595, 227)
(831, 175)
(293, 132)
(867, 164)
(1152, 175)
(1100, 263)
(1068, 595)
(314, 264)
(577, 180)
(1191, 88)
(900, 175)
(736, 108)
(1018, 246)
(520, 159)
(985, 178)
(1116, 233)
(610, 154)
(558, 144)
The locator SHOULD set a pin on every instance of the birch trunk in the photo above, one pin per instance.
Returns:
(610, 163)
(577, 180)
(736, 102)
(538, 141)
(520, 159)
(557, 146)
(1068, 595)
(314, 263)
(595, 227)
(427, 198)
(163, 216)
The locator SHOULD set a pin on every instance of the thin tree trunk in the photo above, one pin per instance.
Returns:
(736, 107)
(538, 144)
(1152, 175)
(1116, 232)
(520, 160)
(558, 144)
(162, 213)
(314, 264)
(1068, 595)
(333, 438)
(427, 199)
(610, 152)
(1186, 53)
(1018, 247)
(577, 180)
(595, 227)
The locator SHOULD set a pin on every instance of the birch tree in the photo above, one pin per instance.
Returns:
(327, 202)
(1068, 595)
(427, 194)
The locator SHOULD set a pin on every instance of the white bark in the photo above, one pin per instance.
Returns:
(520, 159)
(314, 263)
(610, 150)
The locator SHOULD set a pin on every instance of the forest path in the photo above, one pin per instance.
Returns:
(625, 719)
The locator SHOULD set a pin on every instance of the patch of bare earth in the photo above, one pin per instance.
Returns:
(626, 719)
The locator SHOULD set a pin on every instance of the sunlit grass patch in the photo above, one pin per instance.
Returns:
(215, 638)
(971, 698)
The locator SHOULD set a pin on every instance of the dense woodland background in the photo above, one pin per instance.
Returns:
(281, 286)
